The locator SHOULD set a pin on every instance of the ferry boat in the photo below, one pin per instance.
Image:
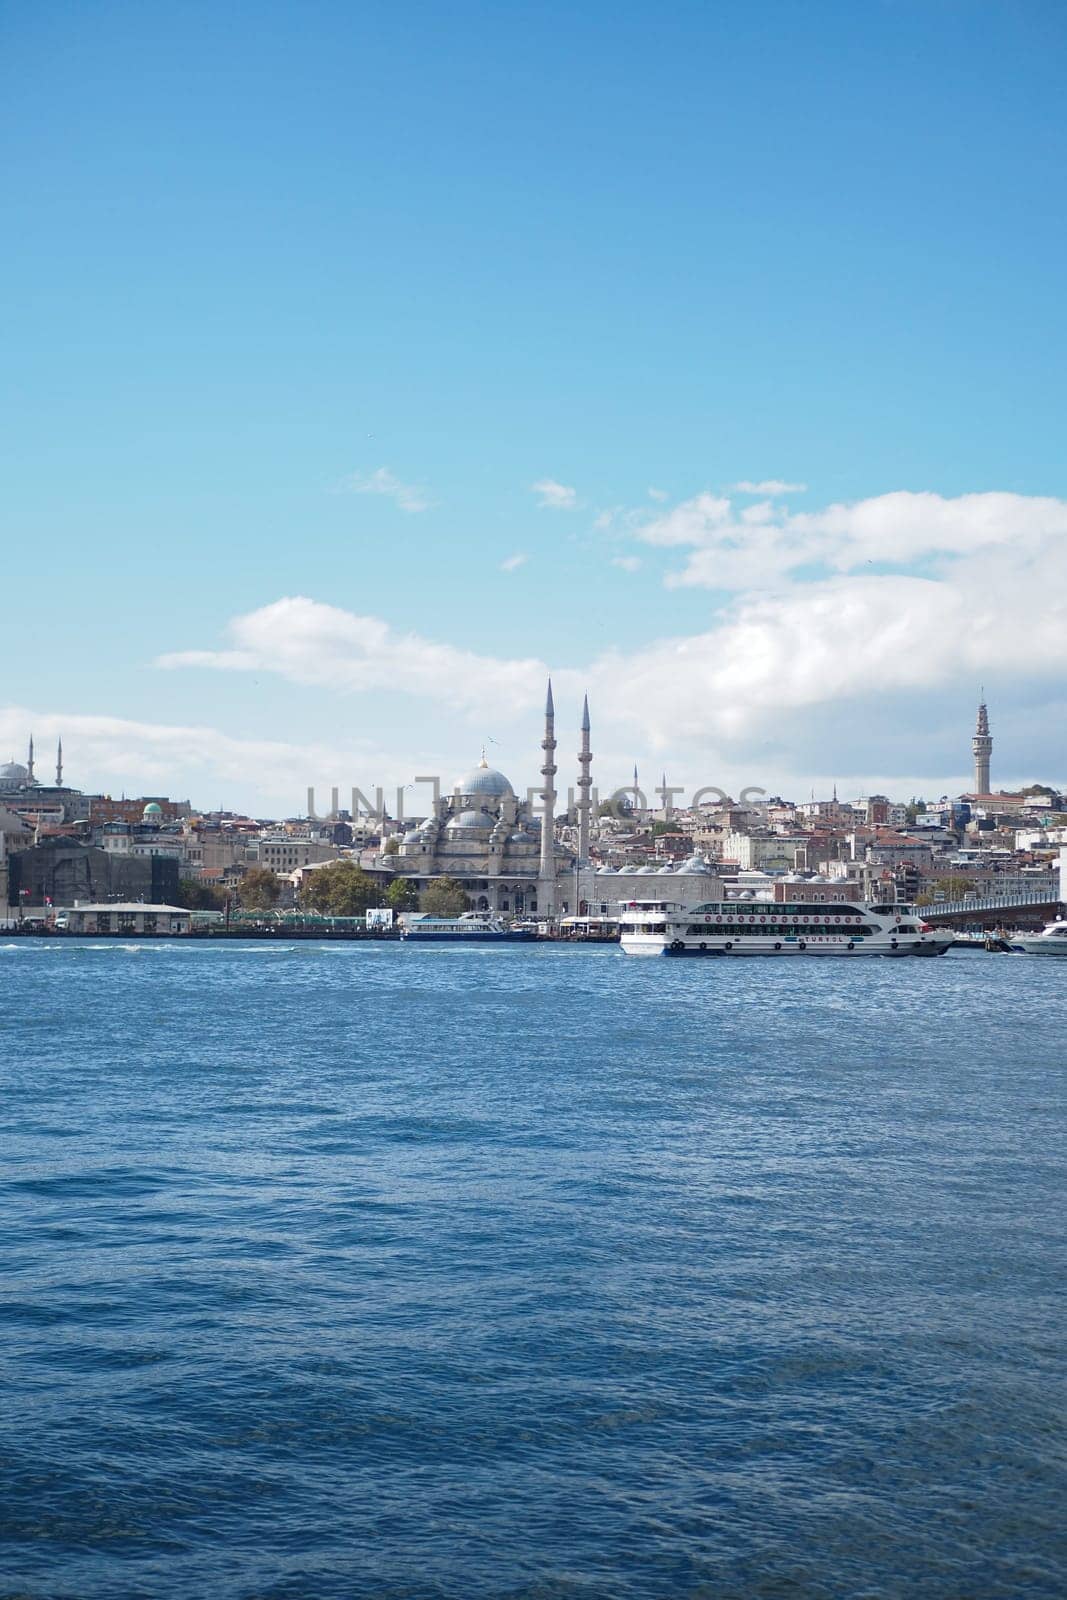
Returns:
(770, 928)
(1051, 941)
(471, 927)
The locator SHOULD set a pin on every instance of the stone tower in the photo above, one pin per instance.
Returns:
(982, 746)
(546, 886)
(585, 757)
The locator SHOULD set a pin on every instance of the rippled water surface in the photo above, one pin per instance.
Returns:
(340, 1271)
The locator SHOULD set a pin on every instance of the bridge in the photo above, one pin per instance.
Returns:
(1036, 905)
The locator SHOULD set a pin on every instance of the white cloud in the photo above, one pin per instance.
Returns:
(658, 494)
(902, 530)
(553, 496)
(406, 495)
(831, 617)
(976, 586)
(768, 486)
(513, 563)
(190, 761)
(323, 646)
(694, 522)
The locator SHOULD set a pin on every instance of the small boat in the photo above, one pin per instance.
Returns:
(1051, 941)
(472, 927)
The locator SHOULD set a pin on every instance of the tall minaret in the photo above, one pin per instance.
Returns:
(29, 763)
(585, 756)
(546, 888)
(59, 765)
(982, 745)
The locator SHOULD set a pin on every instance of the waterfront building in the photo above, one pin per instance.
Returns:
(129, 917)
(286, 852)
(60, 869)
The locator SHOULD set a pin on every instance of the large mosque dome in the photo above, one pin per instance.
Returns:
(484, 783)
(14, 776)
(472, 819)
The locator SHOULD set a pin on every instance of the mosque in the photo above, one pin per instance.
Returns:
(20, 786)
(504, 853)
(500, 848)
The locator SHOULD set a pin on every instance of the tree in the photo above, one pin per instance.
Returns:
(954, 888)
(443, 897)
(391, 846)
(341, 889)
(1038, 788)
(259, 889)
(402, 895)
(196, 896)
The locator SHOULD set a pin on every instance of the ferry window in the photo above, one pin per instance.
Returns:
(907, 927)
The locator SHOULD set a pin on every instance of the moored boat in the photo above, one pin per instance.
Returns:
(1051, 941)
(770, 928)
(471, 927)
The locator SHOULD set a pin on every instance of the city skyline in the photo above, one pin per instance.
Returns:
(334, 424)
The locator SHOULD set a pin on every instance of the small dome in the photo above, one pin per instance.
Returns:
(694, 864)
(472, 819)
(152, 810)
(485, 782)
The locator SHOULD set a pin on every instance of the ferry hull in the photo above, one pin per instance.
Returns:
(636, 946)
(469, 938)
(928, 948)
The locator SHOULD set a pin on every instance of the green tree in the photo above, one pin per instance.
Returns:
(341, 889)
(402, 895)
(391, 846)
(259, 889)
(197, 896)
(954, 887)
(443, 897)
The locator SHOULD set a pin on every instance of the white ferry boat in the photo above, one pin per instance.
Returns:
(769, 928)
(472, 927)
(1051, 941)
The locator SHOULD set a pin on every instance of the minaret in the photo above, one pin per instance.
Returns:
(29, 763)
(546, 890)
(59, 765)
(585, 756)
(982, 746)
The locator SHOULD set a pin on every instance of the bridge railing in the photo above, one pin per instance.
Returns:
(983, 906)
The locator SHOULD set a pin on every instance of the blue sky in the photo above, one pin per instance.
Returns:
(302, 300)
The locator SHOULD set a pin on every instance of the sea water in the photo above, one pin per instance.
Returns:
(345, 1270)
